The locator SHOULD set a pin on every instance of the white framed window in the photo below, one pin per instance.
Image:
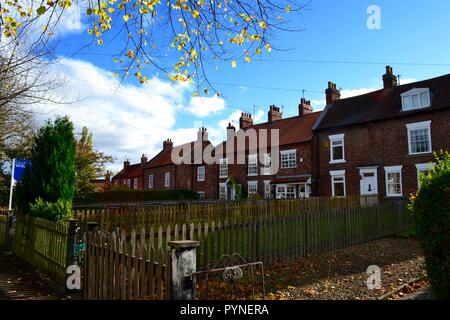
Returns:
(150, 181)
(201, 194)
(252, 165)
(338, 188)
(416, 99)
(167, 179)
(135, 183)
(266, 164)
(252, 187)
(201, 173)
(286, 191)
(337, 149)
(394, 186)
(267, 194)
(419, 137)
(222, 191)
(288, 159)
(124, 182)
(223, 168)
(423, 168)
(129, 183)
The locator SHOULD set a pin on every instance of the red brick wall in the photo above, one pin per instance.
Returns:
(381, 143)
(240, 172)
(210, 185)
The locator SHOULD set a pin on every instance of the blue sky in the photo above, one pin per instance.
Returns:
(136, 119)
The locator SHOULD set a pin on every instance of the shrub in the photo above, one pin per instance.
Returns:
(121, 195)
(431, 209)
(54, 211)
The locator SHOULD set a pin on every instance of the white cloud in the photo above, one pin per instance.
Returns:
(348, 93)
(205, 106)
(125, 120)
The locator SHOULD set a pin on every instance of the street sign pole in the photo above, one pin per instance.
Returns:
(12, 184)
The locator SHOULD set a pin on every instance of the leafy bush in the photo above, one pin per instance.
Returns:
(120, 195)
(54, 211)
(52, 177)
(431, 209)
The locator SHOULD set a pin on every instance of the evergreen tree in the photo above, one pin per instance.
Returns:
(52, 177)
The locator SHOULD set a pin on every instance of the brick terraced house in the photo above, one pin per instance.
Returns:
(289, 175)
(193, 174)
(373, 144)
(378, 143)
(132, 175)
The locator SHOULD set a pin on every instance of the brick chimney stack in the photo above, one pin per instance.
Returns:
(389, 79)
(245, 120)
(274, 114)
(231, 130)
(304, 107)
(202, 134)
(168, 144)
(144, 158)
(126, 163)
(332, 94)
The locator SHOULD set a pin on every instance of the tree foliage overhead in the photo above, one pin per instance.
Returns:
(52, 177)
(90, 163)
(194, 33)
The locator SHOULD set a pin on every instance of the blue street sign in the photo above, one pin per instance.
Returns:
(19, 168)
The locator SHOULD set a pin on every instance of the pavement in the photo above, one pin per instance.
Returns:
(20, 281)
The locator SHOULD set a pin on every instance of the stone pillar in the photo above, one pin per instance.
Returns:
(183, 264)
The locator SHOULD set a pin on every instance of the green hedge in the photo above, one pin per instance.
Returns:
(431, 208)
(139, 195)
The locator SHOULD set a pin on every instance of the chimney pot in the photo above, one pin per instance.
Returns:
(126, 163)
(332, 93)
(389, 79)
(304, 107)
(167, 144)
(245, 120)
(274, 114)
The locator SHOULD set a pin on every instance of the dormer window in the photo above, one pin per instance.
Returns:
(416, 99)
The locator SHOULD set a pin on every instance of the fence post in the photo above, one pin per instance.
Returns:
(183, 264)
(71, 241)
(91, 227)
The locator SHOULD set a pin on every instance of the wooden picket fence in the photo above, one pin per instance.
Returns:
(121, 267)
(127, 218)
(43, 244)
(3, 228)
(128, 267)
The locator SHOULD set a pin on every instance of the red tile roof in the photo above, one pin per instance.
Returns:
(383, 104)
(292, 130)
(133, 170)
(164, 158)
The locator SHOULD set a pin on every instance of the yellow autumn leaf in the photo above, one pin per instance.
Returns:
(233, 64)
(126, 17)
(195, 14)
(100, 42)
(263, 24)
(287, 9)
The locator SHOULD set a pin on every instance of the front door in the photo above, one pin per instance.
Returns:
(369, 182)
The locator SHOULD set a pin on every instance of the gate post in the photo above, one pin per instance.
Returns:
(183, 264)
(71, 241)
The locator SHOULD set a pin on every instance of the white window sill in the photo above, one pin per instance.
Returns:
(288, 167)
(223, 177)
(200, 180)
(252, 175)
(394, 195)
(421, 153)
(337, 161)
